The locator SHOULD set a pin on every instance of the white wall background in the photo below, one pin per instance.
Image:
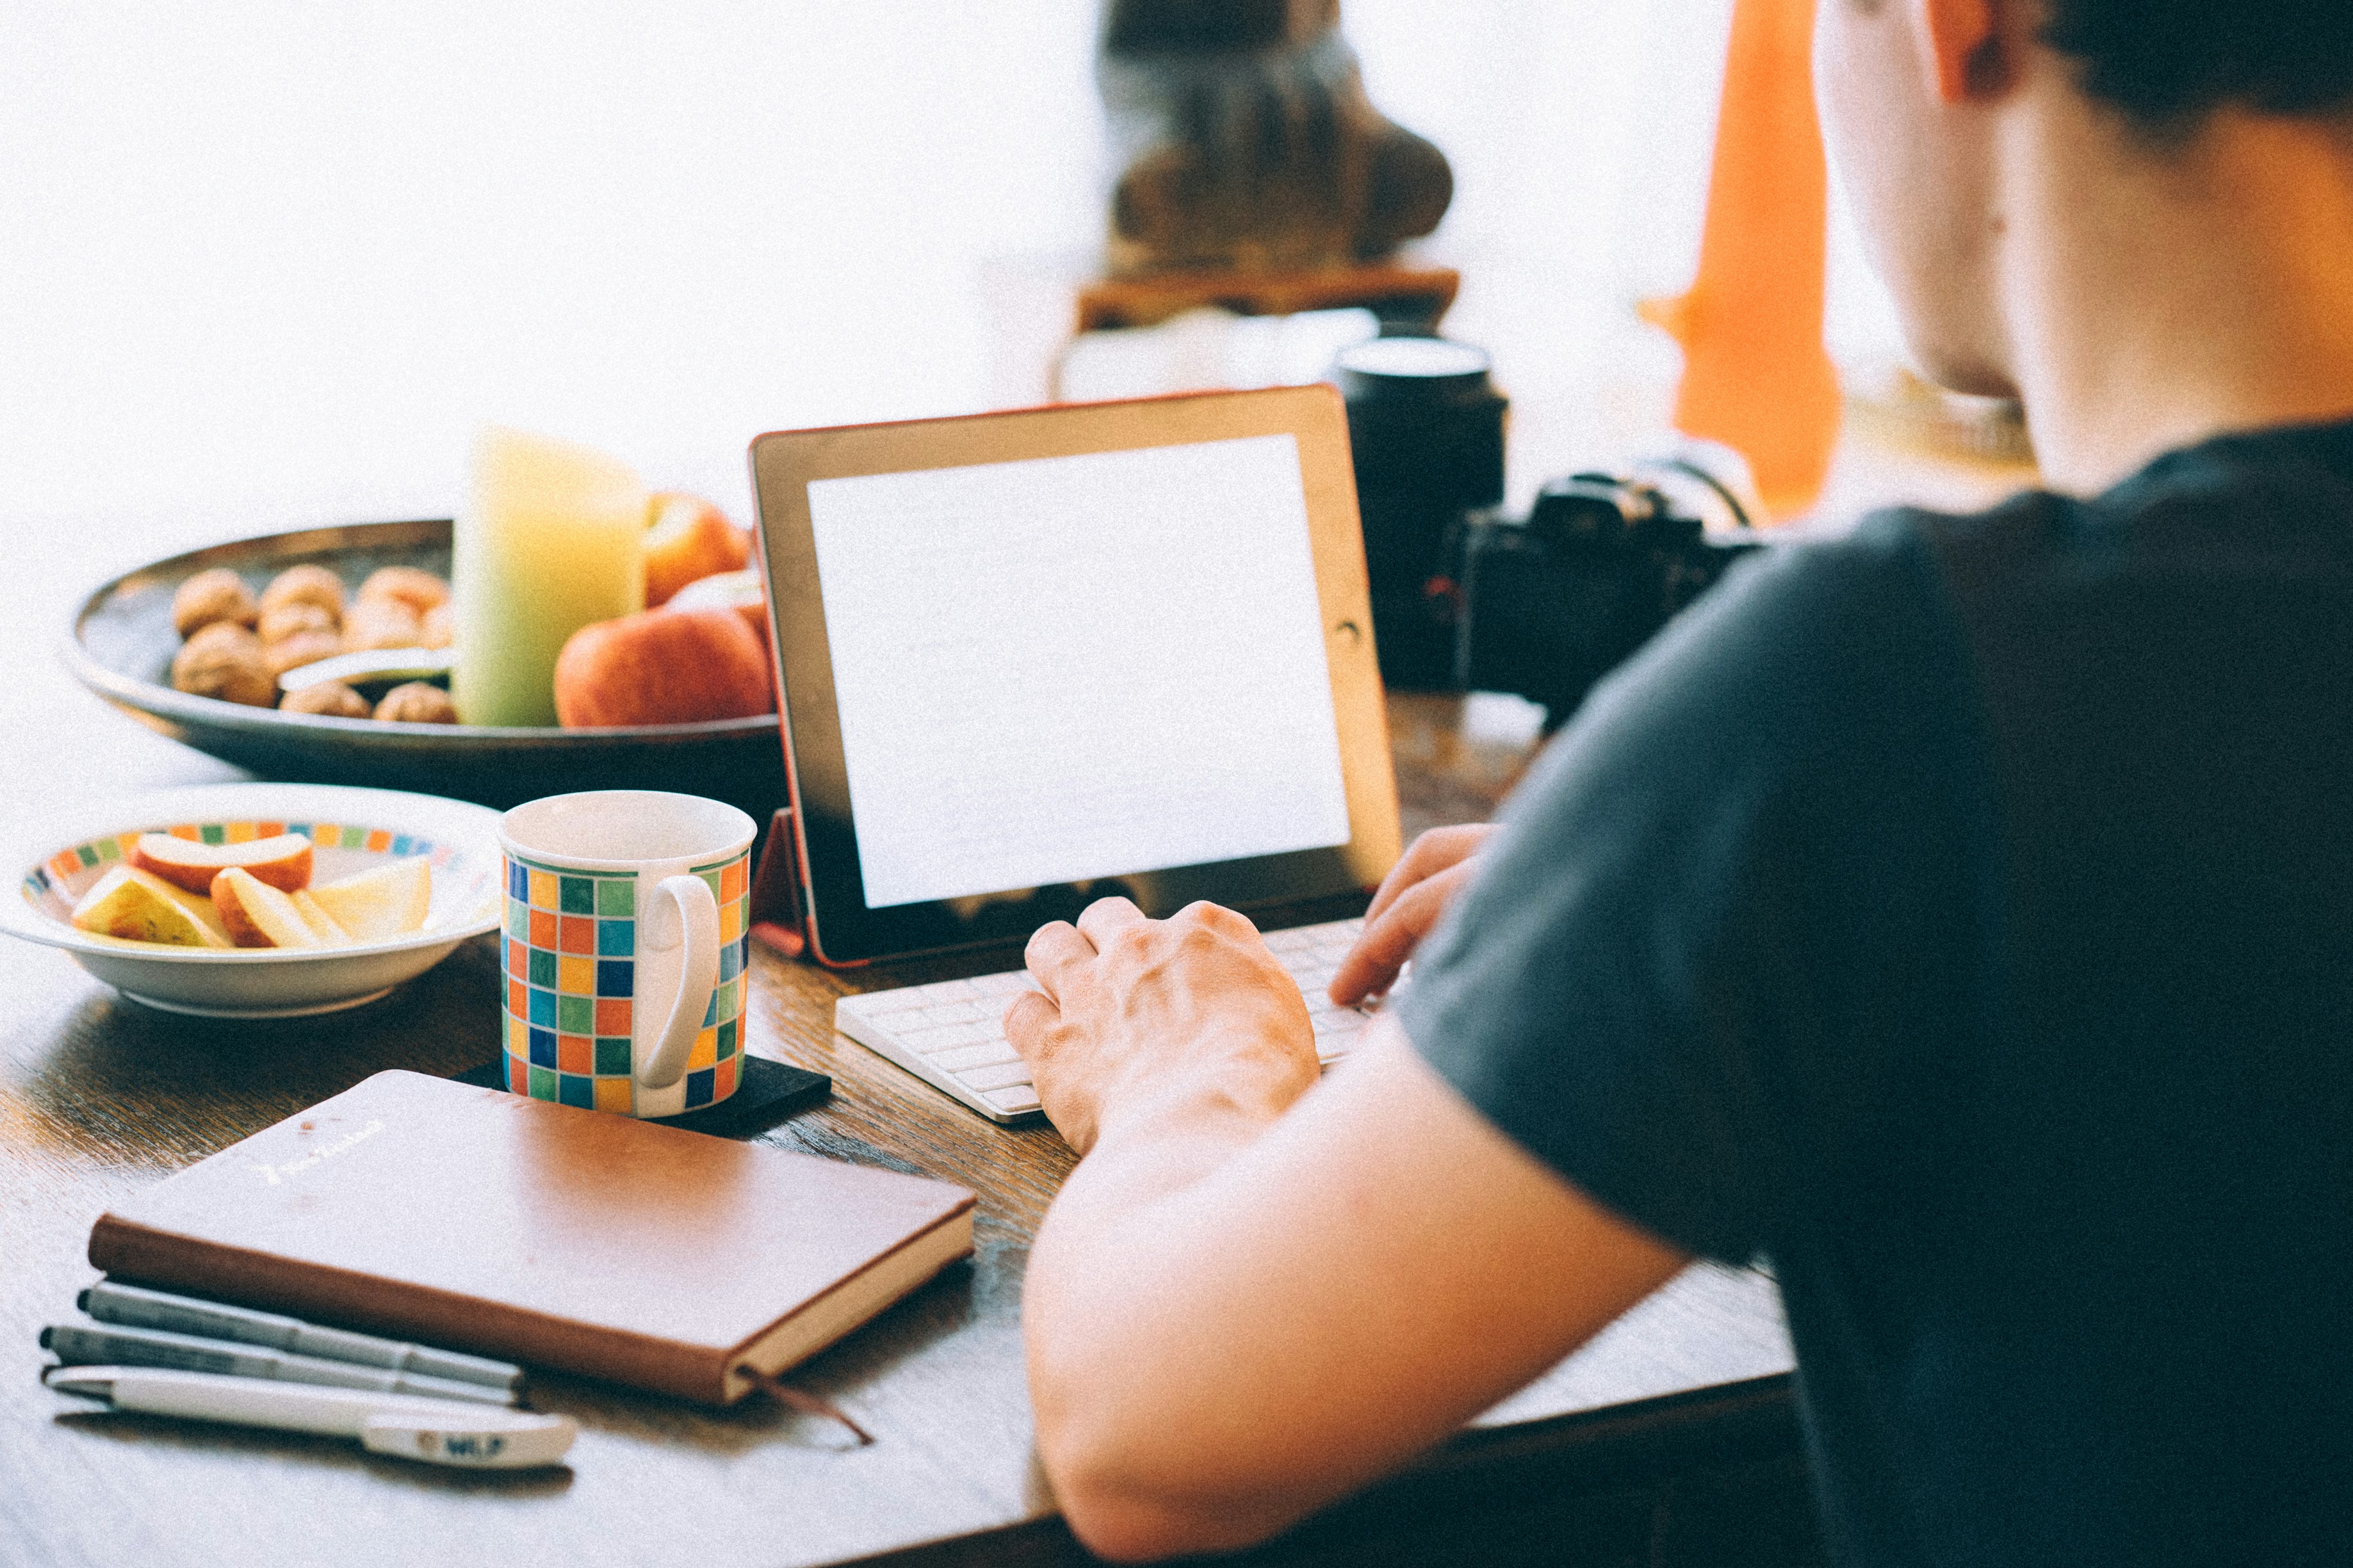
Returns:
(267, 263)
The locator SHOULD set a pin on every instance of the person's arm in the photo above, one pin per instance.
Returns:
(1236, 1315)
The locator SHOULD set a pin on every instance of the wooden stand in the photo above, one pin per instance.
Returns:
(778, 922)
(1402, 296)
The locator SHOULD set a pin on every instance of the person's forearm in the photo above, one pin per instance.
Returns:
(1232, 1322)
(1103, 1309)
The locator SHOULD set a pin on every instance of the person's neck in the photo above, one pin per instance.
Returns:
(2157, 301)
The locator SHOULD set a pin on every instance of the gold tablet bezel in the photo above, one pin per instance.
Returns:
(841, 928)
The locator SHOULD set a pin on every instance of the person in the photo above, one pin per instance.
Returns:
(1959, 915)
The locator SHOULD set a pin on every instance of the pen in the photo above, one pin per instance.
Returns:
(440, 1432)
(84, 1344)
(139, 1308)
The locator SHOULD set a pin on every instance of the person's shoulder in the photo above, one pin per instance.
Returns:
(1808, 653)
(1916, 546)
(2310, 466)
(1816, 611)
(2214, 506)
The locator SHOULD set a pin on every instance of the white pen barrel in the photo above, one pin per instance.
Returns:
(251, 1401)
(437, 1431)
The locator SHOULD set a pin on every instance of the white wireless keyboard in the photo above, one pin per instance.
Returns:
(951, 1034)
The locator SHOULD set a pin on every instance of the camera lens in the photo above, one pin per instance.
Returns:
(1426, 427)
(1437, 363)
(1424, 419)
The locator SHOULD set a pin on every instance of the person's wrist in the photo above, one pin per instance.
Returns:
(1232, 1100)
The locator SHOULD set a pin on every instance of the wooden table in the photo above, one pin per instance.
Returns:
(1665, 1440)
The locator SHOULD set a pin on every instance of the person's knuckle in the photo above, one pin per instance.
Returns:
(1226, 922)
(1023, 1016)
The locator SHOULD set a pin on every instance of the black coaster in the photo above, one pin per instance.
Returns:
(770, 1092)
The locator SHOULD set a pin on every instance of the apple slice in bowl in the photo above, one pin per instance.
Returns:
(384, 902)
(283, 860)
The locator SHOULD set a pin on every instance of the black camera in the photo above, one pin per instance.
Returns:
(1551, 604)
(1466, 599)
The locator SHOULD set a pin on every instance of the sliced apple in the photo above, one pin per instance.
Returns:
(740, 592)
(283, 862)
(330, 929)
(140, 906)
(374, 906)
(258, 915)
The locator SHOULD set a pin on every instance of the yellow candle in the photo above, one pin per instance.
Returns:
(551, 538)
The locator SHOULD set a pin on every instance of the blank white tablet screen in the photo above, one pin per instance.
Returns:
(1063, 669)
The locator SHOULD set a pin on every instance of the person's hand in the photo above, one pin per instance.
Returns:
(1416, 891)
(1142, 1019)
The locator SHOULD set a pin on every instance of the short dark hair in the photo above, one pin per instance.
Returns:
(2168, 64)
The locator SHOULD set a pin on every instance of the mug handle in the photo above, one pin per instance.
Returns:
(683, 907)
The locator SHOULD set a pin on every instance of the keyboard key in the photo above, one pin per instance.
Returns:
(884, 1004)
(955, 1036)
(988, 1053)
(1002, 987)
(1004, 1076)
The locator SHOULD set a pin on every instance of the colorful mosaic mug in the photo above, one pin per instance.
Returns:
(623, 986)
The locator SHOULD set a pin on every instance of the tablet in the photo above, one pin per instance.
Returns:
(1030, 659)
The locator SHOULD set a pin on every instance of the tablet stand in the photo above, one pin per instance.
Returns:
(778, 921)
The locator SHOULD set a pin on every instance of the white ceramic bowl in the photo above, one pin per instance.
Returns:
(353, 829)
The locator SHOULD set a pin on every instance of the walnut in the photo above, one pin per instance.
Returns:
(419, 590)
(330, 699)
(305, 584)
(220, 595)
(419, 702)
(439, 629)
(381, 623)
(282, 621)
(224, 661)
(301, 648)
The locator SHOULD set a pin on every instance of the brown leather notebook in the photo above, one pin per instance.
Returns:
(534, 1232)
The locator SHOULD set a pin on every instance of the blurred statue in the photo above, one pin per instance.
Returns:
(1246, 143)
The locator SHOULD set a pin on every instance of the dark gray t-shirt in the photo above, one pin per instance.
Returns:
(1960, 915)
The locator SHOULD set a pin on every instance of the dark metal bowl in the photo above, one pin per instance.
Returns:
(121, 644)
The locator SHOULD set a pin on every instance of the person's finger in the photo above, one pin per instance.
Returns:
(1025, 1023)
(1430, 853)
(1384, 945)
(1107, 918)
(1053, 948)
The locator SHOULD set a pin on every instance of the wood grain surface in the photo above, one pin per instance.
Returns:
(100, 1097)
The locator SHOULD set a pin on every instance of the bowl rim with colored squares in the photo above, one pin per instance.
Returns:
(55, 861)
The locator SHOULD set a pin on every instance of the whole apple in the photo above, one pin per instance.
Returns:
(688, 539)
(662, 667)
